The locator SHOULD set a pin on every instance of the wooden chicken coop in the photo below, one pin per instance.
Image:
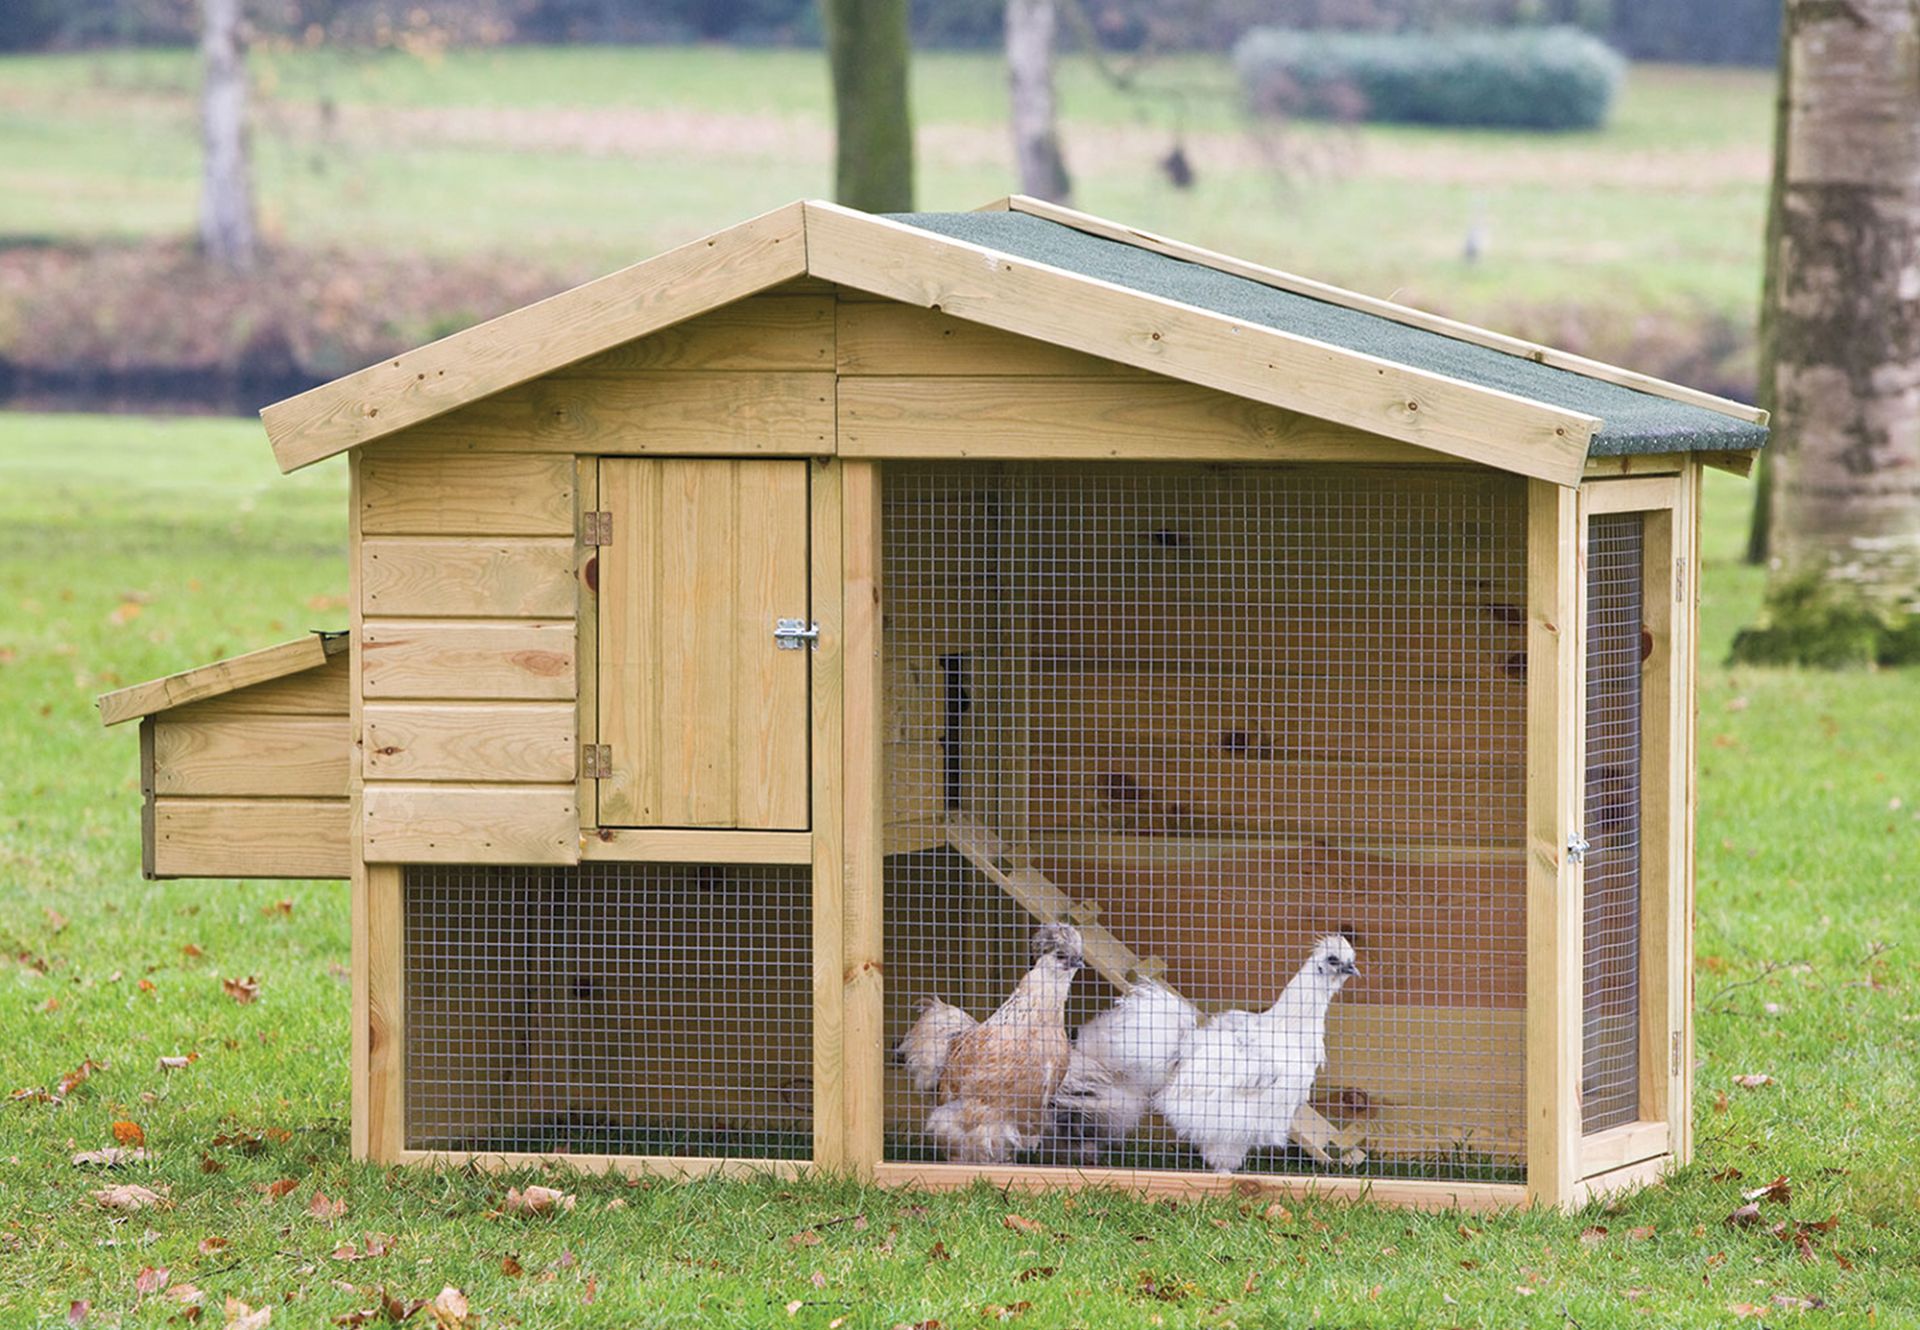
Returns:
(753, 644)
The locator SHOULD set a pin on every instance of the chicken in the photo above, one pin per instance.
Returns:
(1239, 1079)
(996, 1078)
(1121, 1058)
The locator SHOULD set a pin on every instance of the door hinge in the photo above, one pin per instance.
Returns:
(1674, 1070)
(596, 761)
(596, 528)
(790, 634)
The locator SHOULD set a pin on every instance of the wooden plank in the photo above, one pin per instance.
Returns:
(1661, 813)
(529, 660)
(1555, 554)
(1387, 309)
(221, 676)
(615, 412)
(1636, 495)
(828, 815)
(863, 1068)
(586, 564)
(360, 913)
(886, 338)
(468, 577)
(672, 846)
(146, 799)
(1630, 1177)
(477, 742)
(298, 838)
(1280, 369)
(1629, 1143)
(1636, 464)
(319, 691)
(1480, 1197)
(471, 824)
(441, 492)
(1687, 524)
(385, 1015)
(678, 1167)
(252, 756)
(759, 333)
(538, 339)
(1091, 419)
(705, 717)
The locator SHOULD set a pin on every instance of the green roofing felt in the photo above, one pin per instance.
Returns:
(1632, 421)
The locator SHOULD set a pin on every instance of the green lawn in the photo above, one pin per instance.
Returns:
(580, 159)
(130, 547)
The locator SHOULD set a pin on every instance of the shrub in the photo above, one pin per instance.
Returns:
(1542, 78)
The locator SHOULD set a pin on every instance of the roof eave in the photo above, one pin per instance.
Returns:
(219, 677)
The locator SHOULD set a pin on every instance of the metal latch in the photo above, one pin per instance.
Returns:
(789, 634)
(1577, 847)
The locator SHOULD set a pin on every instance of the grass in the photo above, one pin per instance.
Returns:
(129, 547)
(581, 159)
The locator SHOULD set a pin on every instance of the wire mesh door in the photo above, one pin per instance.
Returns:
(1208, 718)
(633, 1009)
(1617, 641)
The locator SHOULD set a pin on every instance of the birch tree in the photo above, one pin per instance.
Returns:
(1843, 339)
(226, 180)
(867, 52)
(1030, 26)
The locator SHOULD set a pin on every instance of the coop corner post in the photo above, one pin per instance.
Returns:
(829, 820)
(864, 1062)
(1554, 783)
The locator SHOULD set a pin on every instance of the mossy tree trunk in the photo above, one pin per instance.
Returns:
(867, 51)
(1757, 532)
(1843, 336)
(226, 180)
(1030, 28)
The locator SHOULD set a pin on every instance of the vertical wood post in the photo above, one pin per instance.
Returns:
(1686, 519)
(865, 1054)
(1555, 682)
(828, 818)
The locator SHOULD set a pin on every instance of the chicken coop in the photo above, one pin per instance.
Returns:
(844, 622)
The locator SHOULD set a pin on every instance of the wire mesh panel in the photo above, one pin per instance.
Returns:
(1210, 718)
(639, 1009)
(1610, 1059)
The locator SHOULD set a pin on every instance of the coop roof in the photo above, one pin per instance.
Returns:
(220, 677)
(1095, 286)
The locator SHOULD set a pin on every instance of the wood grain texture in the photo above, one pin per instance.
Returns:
(885, 338)
(660, 845)
(1155, 419)
(760, 333)
(528, 742)
(614, 412)
(319, 691)
(471, 824)
(678, 1167)
(586, 583)
(244, 756)
(445, 493)
(538, 339)
(386, 1034)
(1605, 1151)
(1280, 369)
(863, 1069)
(467, 577)
(298, 838)
(828, 815)
(219, 677)
(1481, 1197)
(460, 659)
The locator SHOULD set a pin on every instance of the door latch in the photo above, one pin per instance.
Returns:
(1577, 847)
(791, 634)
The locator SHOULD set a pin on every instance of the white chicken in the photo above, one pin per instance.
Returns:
(1228, 1086)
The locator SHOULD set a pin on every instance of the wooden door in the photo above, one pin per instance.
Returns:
(703, 714)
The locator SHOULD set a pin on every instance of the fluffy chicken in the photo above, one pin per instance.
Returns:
(996, 1078)
(1228, 1086)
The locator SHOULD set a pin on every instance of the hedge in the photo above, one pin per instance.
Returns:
(1539, 78)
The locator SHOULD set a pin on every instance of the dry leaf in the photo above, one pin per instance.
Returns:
(275, 1190)
(284, 908)
(592, 1292)
(1035, 1272)
(1745, 1217)
(938, 1252)
(1021, 1224)
(510, 1266)
(1746, 1309)
(1727, 1174)
(806, 1237)
(817, 1279)
(1753, 1081)
(77, 1311)
(449, 1309)
(1277, 1213)
(1589, 1236)
(242, 1317)
(129, 1133)
(1793, 1302)
(179, 1062)
(242, 991)
(151, 1279)
(324, 1210)
(129, 1197)
(124, 613)
(191, 950)
(793, 1308)
(1777, 1190)
(187, 1295)
(209, 1246)
(537, 1200)
(1640, 1234)
(68, 1083)
(113, 1156)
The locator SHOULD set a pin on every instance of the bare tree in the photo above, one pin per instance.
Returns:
(226, 181)
(1843, 336)
(1030, 28)
(867, 51)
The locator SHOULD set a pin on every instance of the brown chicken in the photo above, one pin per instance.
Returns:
(996, 1078)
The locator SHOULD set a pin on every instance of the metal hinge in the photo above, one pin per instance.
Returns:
(1674, 1070)
(596, 761)
(789, 634)
(1577, 847)
(596, 528)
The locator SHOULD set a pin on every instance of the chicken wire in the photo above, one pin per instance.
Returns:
(641, 1009)
(1610, 1046)
(1211, 715)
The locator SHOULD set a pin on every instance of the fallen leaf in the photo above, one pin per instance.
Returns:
(1589, 1236)
(150, 1279)
(1793, 1302)
(537, 1200)
(187, 1295)
(591, 1293)
(1745, 1217)
(449, 1308)
(52, 1004)
(510, 1266)
(113, 1156)
(1640, 1234)
(276, 1189)
(284, 908)
(817, 1279)
(1523, 1290)
(242, 991)
(178, 1062)
(125, 613)
(72, 1080)
(1720, 1101)
(938, 1252)
(130, 1197)
(211, 1246)
(1035, 1272)
(1777, 1190)
(1746, 1309)
(242, 1317)
(1021, 1224)
(993, 1311)
(324, 1210)
(1277, 1213)
(77, 1311)
(1753, 1080)
(806, 1237)
(129, 1133)
(191, 950)
(793, 1308)
(1727, 1174)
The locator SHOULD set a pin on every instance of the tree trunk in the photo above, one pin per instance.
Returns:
(1758, 533)
(1036, 131)
(867, 51)
(1844, 339)
(226, 183)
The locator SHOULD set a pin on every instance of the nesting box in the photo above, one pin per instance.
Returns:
(753, 644)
